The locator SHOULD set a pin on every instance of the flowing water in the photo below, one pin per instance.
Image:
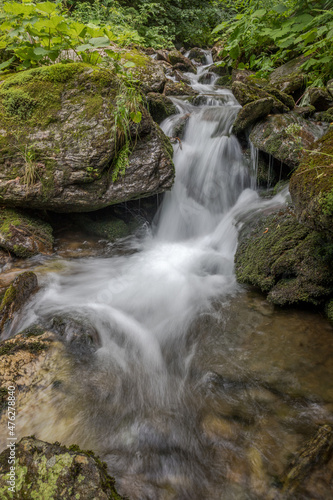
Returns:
(199, 388)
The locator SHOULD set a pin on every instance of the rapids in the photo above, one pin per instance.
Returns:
(191, 393)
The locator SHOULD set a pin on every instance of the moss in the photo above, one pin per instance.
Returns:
(3, 398)
(9, 348)
(160, 107)
(137, 58)
(329, 310)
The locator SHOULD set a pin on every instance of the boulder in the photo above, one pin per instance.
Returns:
(24, 235)
(162, 55)
(16, 295)
(246, 92)
(198, 55)
(179, 88)
(285, 259)
(223, 81)
(251, 113)
(220, 70)
(324, 116)
(62, 128)
(305, 111)
(149, 72)
(177, 57)
(285, 136)
(289, 77)
(206, 78)
(319, 98)
(180, 77)
(160, 107)
(311, 186)
(108, 227)
(329, 87)
(51, 471)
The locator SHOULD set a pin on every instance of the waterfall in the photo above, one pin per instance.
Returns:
(144, 307)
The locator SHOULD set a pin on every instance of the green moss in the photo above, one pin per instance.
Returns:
(137, 58)
(10, 348)
(329, 310)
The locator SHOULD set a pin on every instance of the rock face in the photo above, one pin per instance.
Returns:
(52, 471)
(58, 131)
(251, 113)
(289, 77)
(285, 136)
(16, 295)
(160, 107)
(285, 259)
(24, 235)
(311, 186)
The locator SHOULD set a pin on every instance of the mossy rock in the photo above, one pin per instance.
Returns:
(289, 77)
(251, 113)
(179, 88)
(320, 98)
(285, 136)
(223, 81)
(52, 471)
(198, 55)
(248, 91)
(177, 58)
(24, 235)
(110, 227)
(16, 295)
(160, 107)
(311, 186)
(286, 260)
(149, 73)
(60, 152)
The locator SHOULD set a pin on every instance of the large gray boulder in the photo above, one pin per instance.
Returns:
(289, 77)
(251, 113)
(285, 136)
(62, 150)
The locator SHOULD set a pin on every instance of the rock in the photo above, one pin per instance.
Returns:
(179, 88)
(305, 111)
(251, 113)
(17, 294)
(149, 72)
(329, 87)
(176, 57)
(320, 98)
(246, 92)
(311, 186)
(206, 78)
(198, 55)
(285, 259)
(24, 235)
(219, 70)
(183, 67)
(180, 77)
(289, 77)
(324, 116)
(285, 136)
(52, 471)
(223, 81)
(5, 258)
(217, 53)
(315, 454)
(160, 107)
(74, 171)
(162, 55)
(107, 227)
(240, 75)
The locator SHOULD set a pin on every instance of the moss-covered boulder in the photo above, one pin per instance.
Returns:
(286, 260)
(57, 134)
(149, 72)
(51, 471)
(311, 186)
(198, 55)
(106, 227)
(285, 136)
(249, 91)
(16, 295)
(289, 77)
(177, 58)
(160, 107)
(223, 81)
(251, 113)
(179, 88)
(321, 99)
(24, 235)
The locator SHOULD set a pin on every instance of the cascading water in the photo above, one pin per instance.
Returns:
(168, 324)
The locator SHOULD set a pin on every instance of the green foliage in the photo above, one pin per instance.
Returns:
(121, 162)
(326, 202)
(265, 34)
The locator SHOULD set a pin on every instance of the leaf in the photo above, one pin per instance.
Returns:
(234, 52)
(136, 116)
(129, 64)
(101, 41)
(47, 7)
(40, 51)
(259, 13)
(280, 8)
(84, 47)
(7, 63)
(15, 8)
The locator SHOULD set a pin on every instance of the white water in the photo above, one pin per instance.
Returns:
(142, 306)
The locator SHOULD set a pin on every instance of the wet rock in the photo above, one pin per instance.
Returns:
(176, 58)
(149, 72)
(24, 235)
(223, 81)
(285, 259)
(246, 92)
(163, 55)
(16, 295)
(289, 77)
(179, 88)
(313, 456)
(251, 113)
(54, 471)
(198, 55)
(74, 172)
(180, 77)
(108, 227)
(241, 75)
(206, 78)
(311, 186)
(5, 258)
(219, 70)
(319, 98)
(324, 116)
(160, 107)
(305, 111)
(329, 87)
(285, 136)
